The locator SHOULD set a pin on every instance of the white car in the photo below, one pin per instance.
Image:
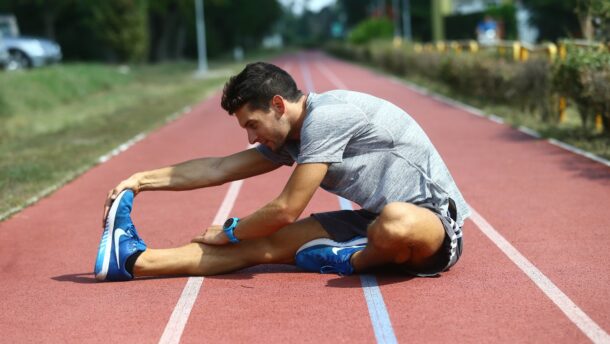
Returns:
(23, 51)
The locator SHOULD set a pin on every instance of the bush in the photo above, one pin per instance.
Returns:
(534, 85)
(584, 77)
(371, 29)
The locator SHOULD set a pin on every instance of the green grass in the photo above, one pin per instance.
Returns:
(56, 122)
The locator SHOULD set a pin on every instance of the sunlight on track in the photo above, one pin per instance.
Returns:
(567, 306)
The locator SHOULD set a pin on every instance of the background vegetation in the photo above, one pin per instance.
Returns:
(527, 93)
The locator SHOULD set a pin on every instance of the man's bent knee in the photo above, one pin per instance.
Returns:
(407, 232)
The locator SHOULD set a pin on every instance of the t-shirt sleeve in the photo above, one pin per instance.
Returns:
(327, 131)
(282, 157)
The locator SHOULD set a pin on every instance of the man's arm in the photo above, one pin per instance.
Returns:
(195, 174)
(282, 211)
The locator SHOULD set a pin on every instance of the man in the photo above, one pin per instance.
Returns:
(352, 144)
(487, 31)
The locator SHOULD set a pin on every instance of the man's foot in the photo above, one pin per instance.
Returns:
(329, 256)
(120, 241)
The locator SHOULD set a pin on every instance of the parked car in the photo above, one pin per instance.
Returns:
(3, 53)
(24, 51)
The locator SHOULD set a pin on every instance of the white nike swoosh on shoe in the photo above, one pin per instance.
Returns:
(337, 249)
(117, 235)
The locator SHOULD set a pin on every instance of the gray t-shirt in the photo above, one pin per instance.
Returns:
(377, 153)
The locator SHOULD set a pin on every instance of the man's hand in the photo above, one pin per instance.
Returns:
(130, 183)
(213, 235)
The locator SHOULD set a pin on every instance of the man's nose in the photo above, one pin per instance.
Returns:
(251, 137)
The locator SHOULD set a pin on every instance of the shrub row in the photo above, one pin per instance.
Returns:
(534, 85)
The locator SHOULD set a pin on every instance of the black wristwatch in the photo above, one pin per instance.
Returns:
(229, 228)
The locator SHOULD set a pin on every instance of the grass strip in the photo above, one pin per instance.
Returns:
(56, 122)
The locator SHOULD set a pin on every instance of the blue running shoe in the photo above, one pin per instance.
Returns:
(120, 241)
(329, 256)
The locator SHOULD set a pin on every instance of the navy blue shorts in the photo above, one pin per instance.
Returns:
(343, 225)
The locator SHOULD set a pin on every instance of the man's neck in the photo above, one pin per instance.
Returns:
(297, 113)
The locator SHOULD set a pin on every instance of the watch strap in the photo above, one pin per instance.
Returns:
(229, 230)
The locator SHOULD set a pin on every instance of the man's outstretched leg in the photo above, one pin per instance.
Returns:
(122, 255)
(201, 259)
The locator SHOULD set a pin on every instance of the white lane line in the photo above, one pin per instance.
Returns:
(331, 76)
(177, 321)
(382, 326)
(579, 151)
(567, 306)
(378, 312)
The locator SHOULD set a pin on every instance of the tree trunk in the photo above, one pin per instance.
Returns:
(586, 25)
(48, 18)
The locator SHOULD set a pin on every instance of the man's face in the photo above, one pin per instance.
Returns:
(268, 128)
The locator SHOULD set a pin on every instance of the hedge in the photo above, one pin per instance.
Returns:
(534, 85)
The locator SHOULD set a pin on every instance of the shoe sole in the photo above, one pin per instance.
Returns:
(330, 242)
(105, 247)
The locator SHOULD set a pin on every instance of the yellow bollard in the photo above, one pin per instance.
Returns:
(551, 49)
(524, 54)
(397, 42)
(516, 51)
(563, 51)
(563, 104)
(440, 47)
(599, 125)
(473, 46)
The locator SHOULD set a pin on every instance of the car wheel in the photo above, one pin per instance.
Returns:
(17, 60)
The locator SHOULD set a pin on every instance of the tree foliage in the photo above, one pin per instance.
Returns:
(557, 19)
(122, 26)
(136, 30)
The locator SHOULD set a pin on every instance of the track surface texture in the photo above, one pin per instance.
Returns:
(549, 204)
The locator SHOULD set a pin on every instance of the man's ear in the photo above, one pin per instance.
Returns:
(278, 104)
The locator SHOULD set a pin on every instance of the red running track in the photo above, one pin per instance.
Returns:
(550, 204)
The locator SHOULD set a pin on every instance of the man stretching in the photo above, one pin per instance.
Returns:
(351, 144)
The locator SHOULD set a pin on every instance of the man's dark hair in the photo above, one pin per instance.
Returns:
(256, 85)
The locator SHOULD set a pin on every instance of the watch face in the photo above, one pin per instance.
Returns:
(228, 223)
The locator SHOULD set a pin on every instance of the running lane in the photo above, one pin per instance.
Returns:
(537, 195)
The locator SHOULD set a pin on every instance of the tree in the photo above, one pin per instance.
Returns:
(123, 26)
(169, 21)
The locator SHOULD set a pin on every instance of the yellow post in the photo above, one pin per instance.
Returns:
(516, 51)
(473, 46)
(599, 125)
(524, 54)
(397, 42)
(563, 51)
(551, 49)
(441, 46)
(563, 104)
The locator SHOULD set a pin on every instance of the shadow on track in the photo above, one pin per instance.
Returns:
(579, 166)
(88, 278)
